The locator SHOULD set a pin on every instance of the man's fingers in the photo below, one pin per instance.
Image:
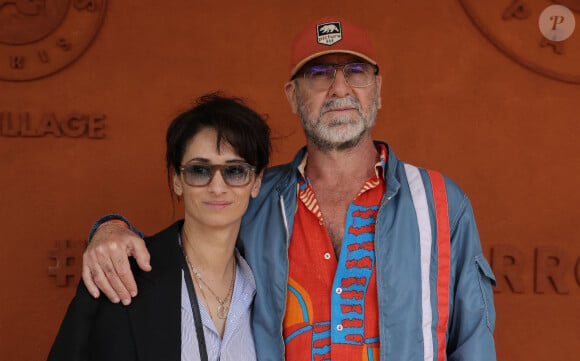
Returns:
(106, 262)
(108, 280)
(128, 287)
(88, 280)
(141, 255)
(103, 276)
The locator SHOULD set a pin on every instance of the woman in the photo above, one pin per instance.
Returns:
(198, 296)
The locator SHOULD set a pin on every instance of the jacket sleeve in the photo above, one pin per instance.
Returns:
(472, 312)
(109, 217)
(72, 340)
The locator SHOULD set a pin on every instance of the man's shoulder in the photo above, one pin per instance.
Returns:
(435, 179)
(277, 170)
(276, 180)
(280, 176)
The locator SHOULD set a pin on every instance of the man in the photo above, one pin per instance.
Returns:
(356, 254)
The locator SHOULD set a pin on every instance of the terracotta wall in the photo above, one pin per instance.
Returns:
(452, 101)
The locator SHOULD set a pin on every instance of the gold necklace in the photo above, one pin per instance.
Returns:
(223, 308)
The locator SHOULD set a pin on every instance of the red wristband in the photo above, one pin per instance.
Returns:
(113, 221)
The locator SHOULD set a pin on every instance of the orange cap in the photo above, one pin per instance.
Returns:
(330, 35)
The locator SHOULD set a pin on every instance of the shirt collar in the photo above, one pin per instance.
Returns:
(380, 165)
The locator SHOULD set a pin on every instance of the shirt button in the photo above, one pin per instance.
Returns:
(320, 223)
(338, 291)
(327, 255)
(339, 327)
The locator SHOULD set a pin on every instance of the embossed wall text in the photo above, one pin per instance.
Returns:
(549, 270)
(74, 125)
(39, 38)
(68, 258)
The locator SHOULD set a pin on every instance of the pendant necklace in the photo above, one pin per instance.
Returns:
(223, 308)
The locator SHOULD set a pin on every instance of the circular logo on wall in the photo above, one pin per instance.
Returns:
(540, 35)
(41, 37)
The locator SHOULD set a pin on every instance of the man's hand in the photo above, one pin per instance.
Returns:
(106, 262)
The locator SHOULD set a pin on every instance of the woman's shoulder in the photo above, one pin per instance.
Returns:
(163, 248)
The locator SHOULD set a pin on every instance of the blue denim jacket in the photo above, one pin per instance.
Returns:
(264, 239)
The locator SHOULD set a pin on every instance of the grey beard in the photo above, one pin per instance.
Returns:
(329, 145)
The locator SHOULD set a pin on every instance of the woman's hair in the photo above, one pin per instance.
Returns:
(235, 123)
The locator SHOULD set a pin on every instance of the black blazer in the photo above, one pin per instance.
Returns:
(149, 329)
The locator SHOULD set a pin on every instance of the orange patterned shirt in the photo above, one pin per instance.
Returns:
(331, 309)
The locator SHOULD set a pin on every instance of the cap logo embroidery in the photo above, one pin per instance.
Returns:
(329, 33)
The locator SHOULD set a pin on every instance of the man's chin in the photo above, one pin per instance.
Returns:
(340, 144)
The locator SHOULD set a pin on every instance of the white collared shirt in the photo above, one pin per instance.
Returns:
(238, 341)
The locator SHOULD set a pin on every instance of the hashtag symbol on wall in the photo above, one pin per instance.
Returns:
(67, 256)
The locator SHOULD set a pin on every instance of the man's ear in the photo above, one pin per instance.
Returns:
(177, 186)
(290, 91)
(379, 83)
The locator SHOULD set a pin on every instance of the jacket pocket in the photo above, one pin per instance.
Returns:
(486, 280)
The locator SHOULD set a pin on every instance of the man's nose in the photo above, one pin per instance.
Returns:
(340, 86)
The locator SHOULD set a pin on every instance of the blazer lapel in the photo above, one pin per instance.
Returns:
(155, 314)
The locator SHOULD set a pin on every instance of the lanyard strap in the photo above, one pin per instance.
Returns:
(195, 309)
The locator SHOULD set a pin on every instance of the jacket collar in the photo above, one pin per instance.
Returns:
(393, 184)
(390, 170)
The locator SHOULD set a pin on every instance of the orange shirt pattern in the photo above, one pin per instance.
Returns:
(331, 310)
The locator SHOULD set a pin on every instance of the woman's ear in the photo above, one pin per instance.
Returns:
(177, 186)
(257, 185)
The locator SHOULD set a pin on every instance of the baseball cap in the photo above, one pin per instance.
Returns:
(329, 35)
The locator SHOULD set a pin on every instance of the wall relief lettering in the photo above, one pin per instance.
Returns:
(545, 270)
(41, 37)
(75, 125)
(68, 259)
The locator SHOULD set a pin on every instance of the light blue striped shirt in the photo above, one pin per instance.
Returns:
(238, 341)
